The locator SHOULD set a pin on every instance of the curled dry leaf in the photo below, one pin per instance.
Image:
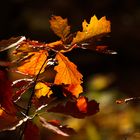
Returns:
(41, 89)
(94, 28)
(68, 74)
(34, 64)
(60, 26)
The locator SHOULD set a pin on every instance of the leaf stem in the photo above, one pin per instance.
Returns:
(30, 100)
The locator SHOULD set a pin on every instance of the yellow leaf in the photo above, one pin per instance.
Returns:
(94, 28)
(68, 74)
(42, 90)
(60, 26)
(33, 65)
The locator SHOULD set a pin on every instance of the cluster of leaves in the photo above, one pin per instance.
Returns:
(63, 95)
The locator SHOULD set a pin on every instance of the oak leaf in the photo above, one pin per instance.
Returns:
(42, 90)
(60, 26)
(33, 65)
(94, 28)
(68, 74)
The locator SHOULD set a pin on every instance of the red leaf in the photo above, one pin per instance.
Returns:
(31, 132)
(77, 111)
(6, 93)
(7, 121)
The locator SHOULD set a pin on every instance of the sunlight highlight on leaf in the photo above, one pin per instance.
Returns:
(82, 104)
(68, 74)
(94, 28)
(42, 90)
(33, 65)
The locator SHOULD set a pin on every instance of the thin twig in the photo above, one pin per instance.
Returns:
(30, 100)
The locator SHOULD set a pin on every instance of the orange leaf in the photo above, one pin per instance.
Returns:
(94, 28)
(42, 90)
(68, 74)
(33, 65)
(75, 89)
(60, 26)
(82, 104)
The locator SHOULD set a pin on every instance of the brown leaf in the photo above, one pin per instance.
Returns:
(60, 26)
(59, 129)
(31, 132)
(94, 28)
(7, 121)
(77, 109)
(10, 43)
(34, 64)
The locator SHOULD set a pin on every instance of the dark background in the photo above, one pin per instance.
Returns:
(31, 18)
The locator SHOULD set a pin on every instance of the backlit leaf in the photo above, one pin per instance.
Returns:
(94, 28)
(68, 74)
(60, 26)
(42, 90)
(34, 64)
(82, 104)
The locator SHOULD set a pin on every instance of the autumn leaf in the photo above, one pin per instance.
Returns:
(75, 89)
(68, 74)
(82, 104)
(41, 89)
(78, 109)
(10, 43)
(6, 93)
(60, 26)
(33, 65)
(31, 132)
(56, 128)
(7, 121)
(94, 28)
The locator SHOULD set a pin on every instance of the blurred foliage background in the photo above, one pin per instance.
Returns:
(106, 77)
